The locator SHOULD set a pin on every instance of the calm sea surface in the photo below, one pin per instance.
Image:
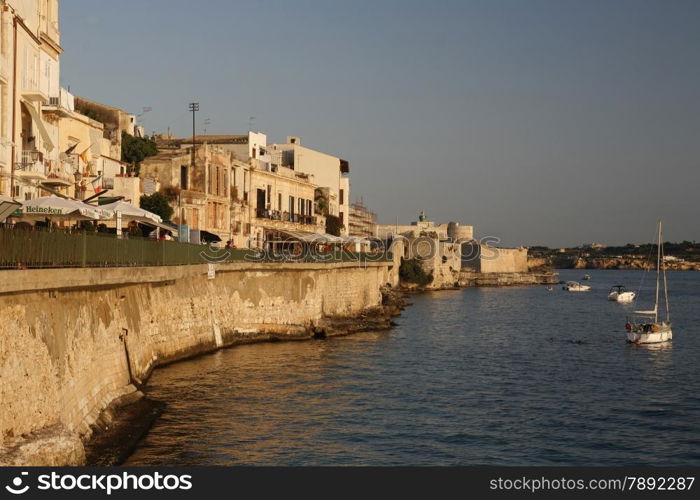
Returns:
(478, 376)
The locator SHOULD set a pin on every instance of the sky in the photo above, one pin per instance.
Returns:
(551, 123)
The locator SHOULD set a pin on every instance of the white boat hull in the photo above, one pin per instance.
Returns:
(582, 288)
(622, 297)
(649, 337)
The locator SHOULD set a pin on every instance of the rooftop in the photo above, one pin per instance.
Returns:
(217, 139)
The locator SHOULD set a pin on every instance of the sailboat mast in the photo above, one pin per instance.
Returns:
(663, 268)
(658, 275)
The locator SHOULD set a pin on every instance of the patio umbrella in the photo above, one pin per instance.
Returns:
(7, 207)
(130, 211)
(55, 207)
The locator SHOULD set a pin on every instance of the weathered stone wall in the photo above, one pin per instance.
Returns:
(65, 333)
(486, 259)
(441, 259)
(503, 260)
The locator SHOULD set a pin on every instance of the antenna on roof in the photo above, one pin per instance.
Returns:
(207, 122)
(250, 123)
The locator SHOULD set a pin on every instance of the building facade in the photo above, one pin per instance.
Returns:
(199, 193)
(282, 200)
(29, 79)
(330, 173)
(362, 221)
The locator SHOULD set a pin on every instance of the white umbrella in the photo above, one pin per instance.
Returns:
(132, 212)
(7, 207)
(57, 207)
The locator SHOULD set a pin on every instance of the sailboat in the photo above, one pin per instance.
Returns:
(647, 327)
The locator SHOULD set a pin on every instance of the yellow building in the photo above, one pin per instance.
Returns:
(29, 75)
(330, 173)
(200, 195)
(282, 199)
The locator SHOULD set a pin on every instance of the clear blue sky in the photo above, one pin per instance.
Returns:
(541, 122)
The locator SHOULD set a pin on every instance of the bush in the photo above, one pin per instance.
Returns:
(158, 204)
(333, 225)
(135, 149)
(411, 271)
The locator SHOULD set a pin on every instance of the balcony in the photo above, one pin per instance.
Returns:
(59, 174)
(63, 104)
(31, 165)
(276, 215)
(31, 87)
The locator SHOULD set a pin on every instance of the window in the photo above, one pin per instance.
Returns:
(279, 201)
(183, 177)
(291, 207)
(342, 197)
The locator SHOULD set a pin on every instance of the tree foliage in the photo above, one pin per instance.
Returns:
(411, 271)
(333, 225)
(158, 204)
(135, 149)
(321, 201)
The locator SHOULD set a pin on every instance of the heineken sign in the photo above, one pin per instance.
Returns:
(28, 209)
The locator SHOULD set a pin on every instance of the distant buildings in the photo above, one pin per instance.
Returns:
(449, 252)
(362, 221)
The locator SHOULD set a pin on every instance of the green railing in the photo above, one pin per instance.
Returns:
(32, 248)
(42, 248)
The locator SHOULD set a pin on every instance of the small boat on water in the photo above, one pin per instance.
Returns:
(620, 294)
(586, 277)
(575, 286)
(647, 327)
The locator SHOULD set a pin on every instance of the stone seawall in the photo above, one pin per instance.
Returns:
(74, 340)
(471, 278)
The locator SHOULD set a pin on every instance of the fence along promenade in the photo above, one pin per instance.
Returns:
(25, 248)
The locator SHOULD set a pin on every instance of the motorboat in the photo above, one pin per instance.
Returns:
(586, 277)
(620, 294)
(647, 327)
(575, 286)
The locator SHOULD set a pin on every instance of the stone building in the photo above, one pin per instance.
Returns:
(282, 200)
(243, 147)
(435, 246)
(330, 173)
(29, 79)
(233, 191)
(362, 221)
(86, 165)
(199, 194)
(115, 121)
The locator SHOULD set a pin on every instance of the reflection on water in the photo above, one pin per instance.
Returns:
(482, 376)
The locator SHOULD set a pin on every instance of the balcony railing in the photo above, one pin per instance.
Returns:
(32, 164)
(59, 174)
(31, 87)
(263, 213)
